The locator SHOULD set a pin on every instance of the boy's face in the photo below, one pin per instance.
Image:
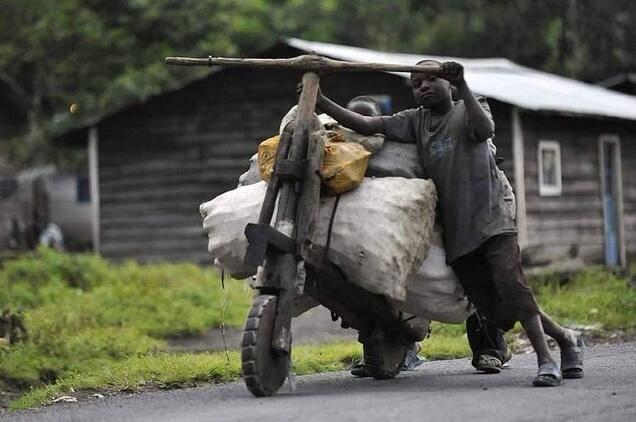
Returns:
(430, 91)
(363, 108)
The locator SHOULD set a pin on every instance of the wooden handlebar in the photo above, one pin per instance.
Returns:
(307, 62)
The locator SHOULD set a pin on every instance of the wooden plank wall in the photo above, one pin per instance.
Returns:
(571, 224)
(559, 227)
(627, 134)
(160, 160)
(503, 136)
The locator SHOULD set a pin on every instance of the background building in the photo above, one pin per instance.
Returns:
(569, 149)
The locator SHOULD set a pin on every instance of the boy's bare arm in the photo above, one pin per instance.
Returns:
(478, 118)
(365, 125)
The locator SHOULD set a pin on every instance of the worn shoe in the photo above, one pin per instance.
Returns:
(488, 364)
(360, 370)
(411, 361)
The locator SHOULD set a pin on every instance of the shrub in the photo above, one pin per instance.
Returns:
(80, 310)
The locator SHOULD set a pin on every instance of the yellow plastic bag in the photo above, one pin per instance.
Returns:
(343, 166)
(266, 157)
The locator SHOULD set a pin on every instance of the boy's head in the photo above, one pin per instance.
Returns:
(365, 105)
(429, 90)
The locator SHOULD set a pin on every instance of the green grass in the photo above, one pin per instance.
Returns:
(446, 342)
(81, 312)
(97, 326)
(593, 297)
(165, 371)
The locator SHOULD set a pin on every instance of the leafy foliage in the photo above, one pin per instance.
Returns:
(100, 54)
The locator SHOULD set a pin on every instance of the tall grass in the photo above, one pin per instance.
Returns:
(81, 311)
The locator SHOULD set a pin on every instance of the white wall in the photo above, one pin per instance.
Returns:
(73, 217)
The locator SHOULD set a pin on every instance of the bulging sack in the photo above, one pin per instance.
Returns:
(372, 143)
(252, 175)
(380, 234)
(395, 159)
(435, 293)
(225, 218)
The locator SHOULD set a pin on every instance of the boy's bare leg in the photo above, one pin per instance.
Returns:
(534, 330)
(548, 375)
(564, 337)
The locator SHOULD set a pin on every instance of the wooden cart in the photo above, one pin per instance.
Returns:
(288, 263)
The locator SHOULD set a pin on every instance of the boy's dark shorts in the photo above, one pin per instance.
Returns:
(493, 280)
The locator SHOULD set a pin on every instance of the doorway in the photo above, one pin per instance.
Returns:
(612, 198)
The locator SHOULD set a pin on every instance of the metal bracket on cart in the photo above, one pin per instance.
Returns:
(290, 169)
(261, 237)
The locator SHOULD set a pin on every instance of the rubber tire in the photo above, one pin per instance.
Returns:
(264, 372)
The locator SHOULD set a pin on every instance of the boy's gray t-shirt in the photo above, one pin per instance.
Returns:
(472, 195)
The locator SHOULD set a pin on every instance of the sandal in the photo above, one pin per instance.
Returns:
(487, 364)
(360, 370)
(572, 360)
(548, 375)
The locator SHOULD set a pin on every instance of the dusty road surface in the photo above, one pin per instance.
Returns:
(314, 326)
(438, 391)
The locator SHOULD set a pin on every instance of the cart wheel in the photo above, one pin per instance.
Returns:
(264, 371)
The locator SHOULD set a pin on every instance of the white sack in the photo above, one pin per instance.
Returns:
(435, 292)
(395, 159)
(380, 233)
(225, 218)
(372, 143)
(317, 124)
(252, 175)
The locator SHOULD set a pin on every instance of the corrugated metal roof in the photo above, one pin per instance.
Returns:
(502, 80)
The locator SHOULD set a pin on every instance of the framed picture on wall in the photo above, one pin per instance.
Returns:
(549, 161)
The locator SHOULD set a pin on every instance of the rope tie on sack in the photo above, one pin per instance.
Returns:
(331, 220)
(224, 306)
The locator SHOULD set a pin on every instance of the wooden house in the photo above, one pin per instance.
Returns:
(30, 198)
(569, 149)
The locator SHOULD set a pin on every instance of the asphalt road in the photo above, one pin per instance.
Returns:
(438, 391)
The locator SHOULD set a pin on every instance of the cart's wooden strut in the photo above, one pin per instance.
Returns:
(306, 62)
(282, 245)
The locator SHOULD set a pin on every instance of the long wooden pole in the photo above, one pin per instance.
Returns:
(286, 217)
(307, 62)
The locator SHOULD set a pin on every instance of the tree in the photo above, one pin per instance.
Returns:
(100, 54)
